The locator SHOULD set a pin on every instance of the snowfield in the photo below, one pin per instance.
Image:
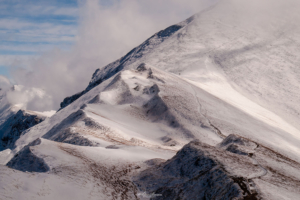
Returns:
(205, 109)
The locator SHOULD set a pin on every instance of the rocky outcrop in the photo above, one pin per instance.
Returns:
(11, 130)
(64, 131)
(237, 168)
(199, 171)
(25, 160)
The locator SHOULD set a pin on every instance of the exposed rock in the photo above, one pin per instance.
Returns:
(227, 171)
(70, 137)
(66, 123)
(63, 132)
(198, 171)
(25, 160)
(69, 100)
(112, 147)
(141, 67)
(11, 130)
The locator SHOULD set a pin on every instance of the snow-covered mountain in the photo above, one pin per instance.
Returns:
(205, 109)
(13, 127)
(14, 118)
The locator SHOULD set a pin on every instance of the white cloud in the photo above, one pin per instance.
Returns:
(29, 98)
(128, 23)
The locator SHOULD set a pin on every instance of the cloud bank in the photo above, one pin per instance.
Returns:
(28, 98)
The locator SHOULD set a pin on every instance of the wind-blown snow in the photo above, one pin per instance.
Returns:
(217, 84)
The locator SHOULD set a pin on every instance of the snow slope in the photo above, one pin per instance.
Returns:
(141, 111)
(248, 62)
(76, 173)
(253, 59)
(216, 77)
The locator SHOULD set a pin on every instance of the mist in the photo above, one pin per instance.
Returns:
(28, 98)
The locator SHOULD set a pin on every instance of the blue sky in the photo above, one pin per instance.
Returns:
(30, 27)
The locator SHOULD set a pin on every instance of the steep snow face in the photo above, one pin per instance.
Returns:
(249, 62)
(256, 56)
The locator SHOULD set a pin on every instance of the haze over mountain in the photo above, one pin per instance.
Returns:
(204, 109)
